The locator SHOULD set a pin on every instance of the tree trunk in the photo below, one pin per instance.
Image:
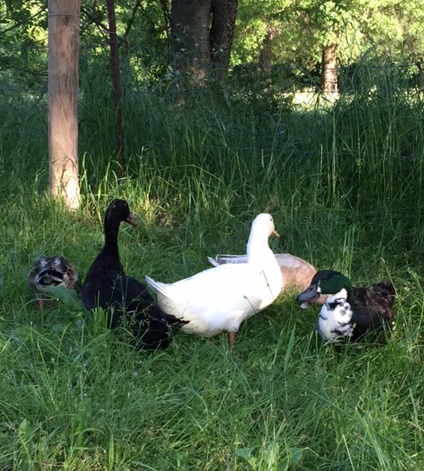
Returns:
(190, 20)
(202, 36)
(222, 35)
(116, 83)
(63, 25)
(329, 69)
(265, 55)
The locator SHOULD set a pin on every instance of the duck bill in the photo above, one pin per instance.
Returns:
(309, 295)
(132, 219)
(275, 233)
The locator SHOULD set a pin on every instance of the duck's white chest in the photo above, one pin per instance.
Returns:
(335, 318)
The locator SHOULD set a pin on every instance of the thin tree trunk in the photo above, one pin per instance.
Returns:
(202, 36)
(266, 55)
(329, 69)
(63, 26)
(116, 82)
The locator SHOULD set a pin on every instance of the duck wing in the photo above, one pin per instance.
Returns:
(129, 304)
(222, 259)
(372, 309)
(52, 271)
(49, 277)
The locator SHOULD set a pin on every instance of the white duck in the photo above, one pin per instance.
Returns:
(220, 299)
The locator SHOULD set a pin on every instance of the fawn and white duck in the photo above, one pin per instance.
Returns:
(296, 271)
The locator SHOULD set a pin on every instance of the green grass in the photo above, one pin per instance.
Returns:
(345, 186)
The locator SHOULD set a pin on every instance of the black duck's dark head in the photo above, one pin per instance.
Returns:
(118, 211)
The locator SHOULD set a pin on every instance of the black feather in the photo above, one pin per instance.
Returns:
(372, 310)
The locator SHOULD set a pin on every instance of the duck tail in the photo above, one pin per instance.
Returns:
(213, 261)
(156, 286)
(155, 332)
(386, 291)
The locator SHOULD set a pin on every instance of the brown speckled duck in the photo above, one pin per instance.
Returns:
(50, 272)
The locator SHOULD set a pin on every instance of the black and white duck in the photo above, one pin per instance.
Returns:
(126, 300)
(51, 272)
(349, 312)
(221, 298)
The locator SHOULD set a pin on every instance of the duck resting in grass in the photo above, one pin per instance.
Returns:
(127, 302)
(350, 313)
(296, 272)
(221, 298)
(51, 272)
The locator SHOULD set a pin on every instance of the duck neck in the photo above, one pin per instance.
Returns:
(108, 258)
(257, 250)
(111, 237)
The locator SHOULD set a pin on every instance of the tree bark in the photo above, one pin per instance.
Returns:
(202, 36)
(421, 74)
(63, 36)
(329, 74)
(190, 20)
(222, 35)
(266, 53)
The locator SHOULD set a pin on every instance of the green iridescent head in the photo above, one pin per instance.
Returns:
(325, 282)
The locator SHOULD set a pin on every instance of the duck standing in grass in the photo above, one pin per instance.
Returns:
(51, 272)
(349, 312)
(125, 299)
(220, 299)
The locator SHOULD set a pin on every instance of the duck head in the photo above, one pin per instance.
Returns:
(264, 222)
(324, 282)
(262, 228)
(118, 211)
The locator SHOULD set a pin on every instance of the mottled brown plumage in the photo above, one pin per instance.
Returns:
(50, 272)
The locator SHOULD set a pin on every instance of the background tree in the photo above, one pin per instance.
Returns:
(202, 33)
(277, 44)
(116, 81)
(64, 17)
(393, 33)
(222, 35)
